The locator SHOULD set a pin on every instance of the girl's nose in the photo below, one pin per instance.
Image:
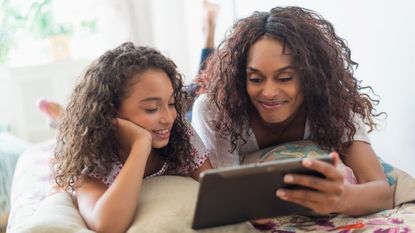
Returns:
(168, 116)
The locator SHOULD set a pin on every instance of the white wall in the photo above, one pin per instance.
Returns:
(21, 87)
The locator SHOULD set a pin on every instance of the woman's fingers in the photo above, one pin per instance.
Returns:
(328, 170)
(316, 183)
(322, 195)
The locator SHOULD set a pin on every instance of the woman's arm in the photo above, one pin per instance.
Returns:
(333, 195)
(373, 192)
(112, 209)
(219, 146)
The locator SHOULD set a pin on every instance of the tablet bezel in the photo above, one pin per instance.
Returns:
(247, 192)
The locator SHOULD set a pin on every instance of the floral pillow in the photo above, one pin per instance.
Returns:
(297, 149)
(402, 183)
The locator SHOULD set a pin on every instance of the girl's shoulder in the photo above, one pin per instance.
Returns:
(110, 177)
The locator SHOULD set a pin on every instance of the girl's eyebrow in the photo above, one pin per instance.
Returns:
(150, 99)
(154, 98)
(278, 71)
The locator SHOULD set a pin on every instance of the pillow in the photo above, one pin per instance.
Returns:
(402, 183)
(56, 213)
(296, 149)
(166, 204)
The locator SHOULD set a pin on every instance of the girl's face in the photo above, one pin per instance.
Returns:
(150, 104)
(272, 83)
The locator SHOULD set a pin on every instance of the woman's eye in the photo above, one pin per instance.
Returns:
(172, 104)
(254, 79)
(285, 79)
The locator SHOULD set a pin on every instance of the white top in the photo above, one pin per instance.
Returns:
(219, 147)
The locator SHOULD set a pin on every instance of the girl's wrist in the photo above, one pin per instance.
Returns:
(143, 147)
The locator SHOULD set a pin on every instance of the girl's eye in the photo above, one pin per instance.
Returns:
(151, 110)
(172, 104)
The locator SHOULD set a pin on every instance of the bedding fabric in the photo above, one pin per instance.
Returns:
(166, 202)
(167, 205)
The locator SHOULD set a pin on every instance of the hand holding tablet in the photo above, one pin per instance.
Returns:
(247, 192)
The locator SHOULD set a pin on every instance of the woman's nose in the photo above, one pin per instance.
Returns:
(270, 90)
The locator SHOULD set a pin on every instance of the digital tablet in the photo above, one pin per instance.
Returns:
(247, 192)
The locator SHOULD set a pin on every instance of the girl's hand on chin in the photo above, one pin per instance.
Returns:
(328, 193)
(129, 133)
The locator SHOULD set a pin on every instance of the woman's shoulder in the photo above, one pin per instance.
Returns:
(203, 109)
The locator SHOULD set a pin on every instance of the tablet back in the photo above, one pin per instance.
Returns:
(232, 195)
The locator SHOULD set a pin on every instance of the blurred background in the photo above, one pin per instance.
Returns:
(45, 46)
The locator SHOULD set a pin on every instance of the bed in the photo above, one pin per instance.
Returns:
(167, 205)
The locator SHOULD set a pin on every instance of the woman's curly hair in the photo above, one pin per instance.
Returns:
(322, 60)
(86, 138)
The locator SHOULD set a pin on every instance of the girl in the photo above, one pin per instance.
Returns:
(284, 76)
(124, 122)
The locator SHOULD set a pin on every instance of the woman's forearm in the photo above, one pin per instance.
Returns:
(367, 198)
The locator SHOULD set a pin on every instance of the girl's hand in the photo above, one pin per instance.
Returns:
(129, 133)
(328, 194)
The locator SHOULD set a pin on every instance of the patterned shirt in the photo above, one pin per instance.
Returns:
(199, 154)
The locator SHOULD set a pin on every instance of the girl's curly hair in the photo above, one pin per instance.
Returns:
(86, 137)
(321, 58)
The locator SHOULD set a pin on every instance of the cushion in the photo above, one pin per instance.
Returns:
(402, 183)
(166, 204)
(56, 213)
(296, 149)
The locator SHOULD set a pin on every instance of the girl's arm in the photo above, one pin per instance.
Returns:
(112, 209)
(205, 166)
(333, 195)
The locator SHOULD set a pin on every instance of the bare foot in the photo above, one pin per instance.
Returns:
(52, 110)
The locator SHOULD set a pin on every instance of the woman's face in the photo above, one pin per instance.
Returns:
(150, 104)
(272, 83)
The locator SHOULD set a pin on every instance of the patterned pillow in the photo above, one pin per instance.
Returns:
(297, 149)
(402, 183)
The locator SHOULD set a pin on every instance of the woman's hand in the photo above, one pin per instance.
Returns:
(129, 133)
(328, 194)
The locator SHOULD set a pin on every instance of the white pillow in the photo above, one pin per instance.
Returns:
(56, 213)
(166, 204)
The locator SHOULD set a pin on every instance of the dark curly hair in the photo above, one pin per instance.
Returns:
(86, 137)
(320, 57)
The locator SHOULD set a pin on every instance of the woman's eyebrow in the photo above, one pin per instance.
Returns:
(280, 70)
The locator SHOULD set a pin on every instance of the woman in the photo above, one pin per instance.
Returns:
(284, 76)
